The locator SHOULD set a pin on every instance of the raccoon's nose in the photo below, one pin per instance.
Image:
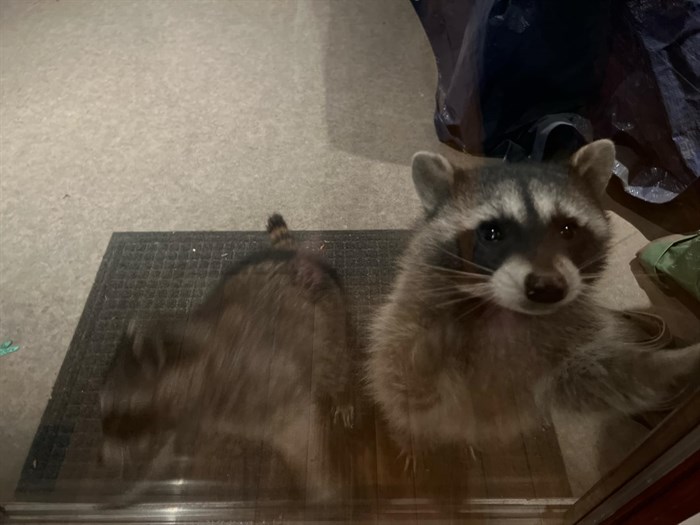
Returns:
(547, 288)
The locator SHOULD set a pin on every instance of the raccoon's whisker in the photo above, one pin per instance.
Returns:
(436, 267)
(456, 282)
(623, 239)
(452, 280)
(465, 297)
(605, 254)
(475, 288)
(431, 297)
(467, 288)
(443, 289)
(593, 260)
(592, 276)
(597, 275)
(449, 289)
(454, 301)
(485, 301)
(656, 309)
(477, 291)
(466, 261)
(589, 293)
(646, 274)
(453, 271)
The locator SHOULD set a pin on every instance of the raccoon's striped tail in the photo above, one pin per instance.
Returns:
(280, 236)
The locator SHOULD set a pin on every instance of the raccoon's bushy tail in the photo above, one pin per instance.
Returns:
(280, 236)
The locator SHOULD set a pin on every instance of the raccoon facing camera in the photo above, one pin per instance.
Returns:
(499, 277)
(539, 232)
(264, 357)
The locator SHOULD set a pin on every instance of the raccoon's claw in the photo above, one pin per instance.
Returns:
(410, 464)
(412, 461)
(345, 414)
(472, 453)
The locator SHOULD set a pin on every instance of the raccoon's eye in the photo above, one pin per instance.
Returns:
(568, 230)
(491, 232)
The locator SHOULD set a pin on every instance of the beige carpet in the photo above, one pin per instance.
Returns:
(184, 115)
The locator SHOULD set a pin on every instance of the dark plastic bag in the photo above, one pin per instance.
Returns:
(516, 76)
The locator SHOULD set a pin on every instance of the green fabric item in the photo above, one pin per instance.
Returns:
(675, 258)
(7, 348)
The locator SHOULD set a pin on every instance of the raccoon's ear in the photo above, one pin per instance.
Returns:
(433, 176)
(594, 163)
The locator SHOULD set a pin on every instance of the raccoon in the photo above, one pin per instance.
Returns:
(494, 289)
(263, 354)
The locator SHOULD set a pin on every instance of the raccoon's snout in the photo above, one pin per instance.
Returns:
(545, 288)
(522, 286)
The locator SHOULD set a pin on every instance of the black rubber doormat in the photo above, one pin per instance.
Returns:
(162, 275)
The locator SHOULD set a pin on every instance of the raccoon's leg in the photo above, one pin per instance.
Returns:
(300, 438)
(332, 363)
(418, 387)
(628, 379)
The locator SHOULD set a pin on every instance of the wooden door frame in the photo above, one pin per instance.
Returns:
(654, 477)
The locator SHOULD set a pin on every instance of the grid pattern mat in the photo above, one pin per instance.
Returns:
(164, 275)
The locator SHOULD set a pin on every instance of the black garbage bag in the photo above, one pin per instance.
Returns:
(537, 78)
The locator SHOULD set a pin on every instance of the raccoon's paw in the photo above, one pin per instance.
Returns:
(345, 414)
(677, 365)
(683, 366)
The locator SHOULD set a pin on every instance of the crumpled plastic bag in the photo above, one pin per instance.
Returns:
(623, 70)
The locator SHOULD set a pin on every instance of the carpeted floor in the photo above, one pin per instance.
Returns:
(182, 115)
(186, 116)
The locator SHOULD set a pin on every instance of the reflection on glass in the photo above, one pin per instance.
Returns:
(491, 360)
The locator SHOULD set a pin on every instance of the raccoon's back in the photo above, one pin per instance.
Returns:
(261, 331)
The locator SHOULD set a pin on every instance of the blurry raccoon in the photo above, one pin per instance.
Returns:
(493, 290)
(260, 357)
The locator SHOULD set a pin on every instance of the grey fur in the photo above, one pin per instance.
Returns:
(441, 340)
(263, 358)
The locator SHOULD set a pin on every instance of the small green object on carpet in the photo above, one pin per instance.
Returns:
(7, 347)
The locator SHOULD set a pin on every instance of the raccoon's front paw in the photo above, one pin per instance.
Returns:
(344, 413)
